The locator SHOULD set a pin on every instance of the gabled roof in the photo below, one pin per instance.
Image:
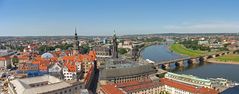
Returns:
(71, 66)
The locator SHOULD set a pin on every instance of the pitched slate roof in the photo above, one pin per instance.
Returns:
(129, 71)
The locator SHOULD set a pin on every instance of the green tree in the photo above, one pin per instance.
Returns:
(44, 48)
(19, 48)
(84, 49)
(122, 50)
(15, 60)
(64, 46)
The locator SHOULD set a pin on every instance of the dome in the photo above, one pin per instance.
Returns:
(47, 55)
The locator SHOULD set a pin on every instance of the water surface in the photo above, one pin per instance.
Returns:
(206, 70)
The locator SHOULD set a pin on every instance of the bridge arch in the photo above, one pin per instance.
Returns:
(210, 56)
(201, 59)
(217, 55)
(179, 63)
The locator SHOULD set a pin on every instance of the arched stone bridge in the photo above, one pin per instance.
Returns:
(190, 60)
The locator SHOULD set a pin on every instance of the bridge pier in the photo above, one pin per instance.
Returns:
(213, 56)
(205, 58)
(166, 66)
(179, 64)
(217, 55)
(202, 59)
(192, 61)
(208, 57)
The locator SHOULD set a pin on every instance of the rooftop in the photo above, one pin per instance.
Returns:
(129, 87)
(111, 89)
(22, 86)
(129, 71)
(189, 88)
(118, 63)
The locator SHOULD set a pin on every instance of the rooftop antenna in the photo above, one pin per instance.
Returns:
(75, 31)
(114, 32)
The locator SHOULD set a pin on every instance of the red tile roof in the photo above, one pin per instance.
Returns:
(81, 57)
(110, 89)
(189, 88)
(70, 66)
(89, 74)
(4, 58)
(69, 58)
(131, 83)
(23, 57)
(42, 63)
(142, 86)
(132, 86)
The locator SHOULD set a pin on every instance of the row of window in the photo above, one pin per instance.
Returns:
(69, 73)
(37, 85)
(186, 79)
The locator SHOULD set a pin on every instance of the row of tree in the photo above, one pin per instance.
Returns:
(194, 45)
(153, 39)
(44, 48)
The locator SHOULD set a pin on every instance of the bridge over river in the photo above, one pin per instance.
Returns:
(190, 60)
(179, 62)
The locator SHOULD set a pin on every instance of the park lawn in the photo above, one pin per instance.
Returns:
(230, 58)
(180, 49)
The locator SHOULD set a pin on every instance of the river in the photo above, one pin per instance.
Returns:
(205, 70)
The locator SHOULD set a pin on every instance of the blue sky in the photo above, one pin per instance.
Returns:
(101, 17)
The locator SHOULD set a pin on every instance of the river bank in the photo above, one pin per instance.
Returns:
(160, 53)
(222, 62)
(180, 49)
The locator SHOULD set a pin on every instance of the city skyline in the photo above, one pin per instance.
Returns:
(57, 18)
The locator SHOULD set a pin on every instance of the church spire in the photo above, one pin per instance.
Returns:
(76, 43)
(114, 33)
(75, 32)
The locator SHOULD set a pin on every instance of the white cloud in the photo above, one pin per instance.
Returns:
(203, 28)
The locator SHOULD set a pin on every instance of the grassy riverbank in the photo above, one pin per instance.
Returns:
(228, 58)
(180, 49)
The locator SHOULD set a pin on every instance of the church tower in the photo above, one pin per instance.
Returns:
(76, 44)
(115, 46)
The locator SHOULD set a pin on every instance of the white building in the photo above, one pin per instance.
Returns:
(126, 44)
(5, 58)
(56, 70)
(70, 71)
(189, 79)
(5, 62)
(175, 87)
(203, 42)
(173, 90)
